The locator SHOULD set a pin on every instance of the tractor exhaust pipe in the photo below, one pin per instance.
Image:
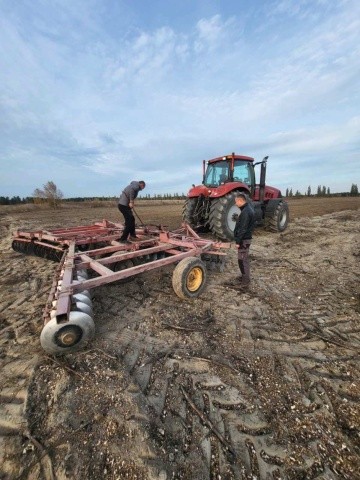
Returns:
(262, 179)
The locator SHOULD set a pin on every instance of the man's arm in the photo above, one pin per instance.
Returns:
(132, 195)
(241, 227)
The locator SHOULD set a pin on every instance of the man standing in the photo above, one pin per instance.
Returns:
(125, 205)
(244, 228)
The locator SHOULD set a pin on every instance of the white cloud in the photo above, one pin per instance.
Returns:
(209, 32)
(109, 164)
(147, 59)
(316, 140)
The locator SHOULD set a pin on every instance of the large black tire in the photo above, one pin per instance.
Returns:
(223, 216)
(278, 220)
(189, 278)
(189, 210)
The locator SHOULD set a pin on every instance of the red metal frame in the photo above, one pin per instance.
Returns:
(176, 245)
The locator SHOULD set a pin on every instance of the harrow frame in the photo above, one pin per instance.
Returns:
(91, 255)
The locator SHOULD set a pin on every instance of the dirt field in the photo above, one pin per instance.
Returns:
(259, 385)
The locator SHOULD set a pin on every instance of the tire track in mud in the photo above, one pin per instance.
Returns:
(228, 394)
(275, 356)
(24, 284)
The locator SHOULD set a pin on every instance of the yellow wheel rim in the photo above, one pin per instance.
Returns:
(194, 279)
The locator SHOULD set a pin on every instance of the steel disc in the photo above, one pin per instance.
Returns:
(80, 297)
(83, 307)
(67, 337)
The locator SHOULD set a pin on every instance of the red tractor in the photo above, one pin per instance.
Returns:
(212, 204)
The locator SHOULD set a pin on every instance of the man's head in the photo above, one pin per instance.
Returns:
(241, 199)
(142, 184)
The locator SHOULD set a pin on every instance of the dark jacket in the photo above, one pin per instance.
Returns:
(129, 193)
(245, 224)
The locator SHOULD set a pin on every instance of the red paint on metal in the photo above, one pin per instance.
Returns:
(178, 244)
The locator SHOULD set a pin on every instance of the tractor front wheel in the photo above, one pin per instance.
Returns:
(279, 219)
(189, 278)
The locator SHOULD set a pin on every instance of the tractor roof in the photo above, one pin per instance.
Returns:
(228, 157)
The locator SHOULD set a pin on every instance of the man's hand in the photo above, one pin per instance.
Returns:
(131, 204)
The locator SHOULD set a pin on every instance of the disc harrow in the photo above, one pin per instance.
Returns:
(90, 256)
(50, 252)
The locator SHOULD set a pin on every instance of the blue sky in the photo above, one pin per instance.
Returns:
(96, 93)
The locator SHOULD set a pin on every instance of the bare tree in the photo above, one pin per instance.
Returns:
(49, 193)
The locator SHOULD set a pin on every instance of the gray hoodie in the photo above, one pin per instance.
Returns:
(129, 193)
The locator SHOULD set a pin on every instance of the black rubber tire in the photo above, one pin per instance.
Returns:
(67, 337)
(188, 211)
(223, 216)
(279, 220)
(189, 278)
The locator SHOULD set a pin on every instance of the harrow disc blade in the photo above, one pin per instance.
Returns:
(39, 250)
(67, 337)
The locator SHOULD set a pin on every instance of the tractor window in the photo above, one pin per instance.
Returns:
(243, 172)
(216, 174)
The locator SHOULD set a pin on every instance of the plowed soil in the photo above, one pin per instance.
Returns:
(256, 385)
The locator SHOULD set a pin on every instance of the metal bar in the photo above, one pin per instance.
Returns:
(37, 242)
(117, 248)
(172, 251)
(94, 265)
(31, 235)
(129, 272)
(96, 239)
(80, 228)
(190, 230)
(64, 299)
(53, 290)
(126, 256)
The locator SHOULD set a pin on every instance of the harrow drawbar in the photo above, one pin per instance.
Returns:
(91, 256)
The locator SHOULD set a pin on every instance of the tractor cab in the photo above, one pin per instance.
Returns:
(229, 169)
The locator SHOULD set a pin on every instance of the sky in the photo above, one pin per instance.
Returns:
(97, 93)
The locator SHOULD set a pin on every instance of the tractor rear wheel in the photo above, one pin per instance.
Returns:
(189, 278)
(189, 210)
(223, 216)
(279, 219)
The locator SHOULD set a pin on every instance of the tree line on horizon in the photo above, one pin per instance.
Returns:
(51, 194)
(322, 191)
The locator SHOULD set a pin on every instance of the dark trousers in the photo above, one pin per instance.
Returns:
(129, 222)
(243, 259)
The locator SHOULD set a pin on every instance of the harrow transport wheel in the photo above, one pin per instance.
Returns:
(223, 216)
(279, 219)
(189, 278)
(57, 338)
